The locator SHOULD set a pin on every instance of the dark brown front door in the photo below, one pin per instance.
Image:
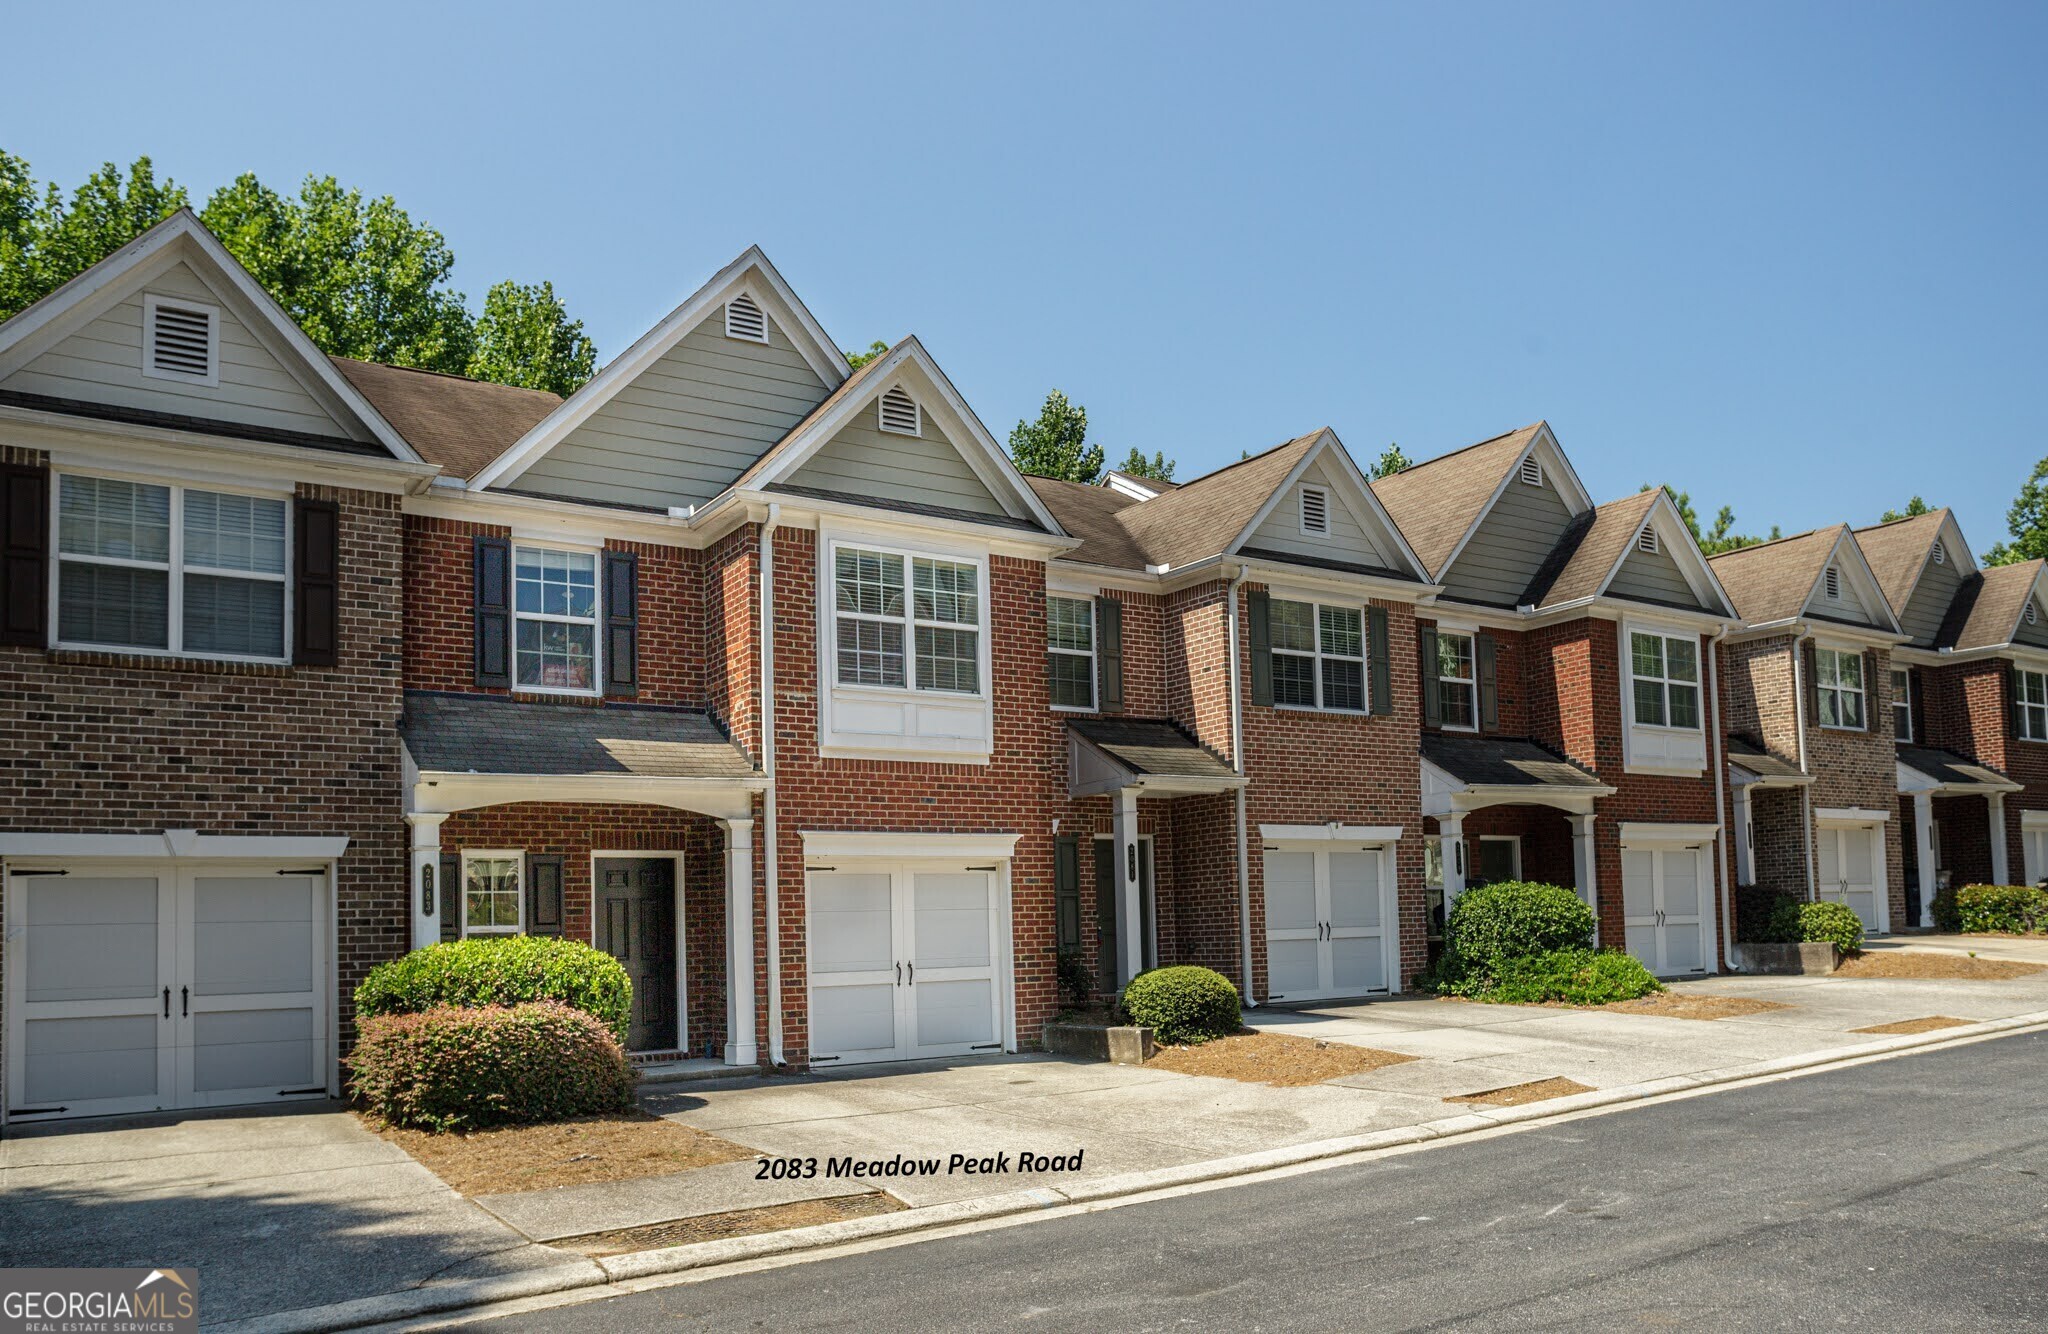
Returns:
(636, 924)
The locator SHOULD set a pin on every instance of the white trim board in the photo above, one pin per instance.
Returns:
(1331, 833)
(906, 846)
(176, 844)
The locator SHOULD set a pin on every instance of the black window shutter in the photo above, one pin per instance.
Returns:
(1376, 652)
(2012, 695)
(1870, 721)
(316, 582)
(493, 611)
(1261, 640)
(1489, 688)
(451, 896)
(1109, 655)
(1432, 698)
(1066, 869)
(621, 623)
(543, 896)
(1812, 666)
(1916, 687)
(24, 555)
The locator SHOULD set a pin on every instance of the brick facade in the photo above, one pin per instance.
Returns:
(1967, 708)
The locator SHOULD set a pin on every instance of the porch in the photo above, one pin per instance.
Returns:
(1954, 810)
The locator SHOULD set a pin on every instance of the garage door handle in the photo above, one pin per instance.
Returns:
(167, 1002)
(899, 974)
(185, 1001)
(913, 973)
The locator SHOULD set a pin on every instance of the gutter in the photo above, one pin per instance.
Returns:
(1806, 789)
(1718, 766)
(1244, 870)
(773, 909)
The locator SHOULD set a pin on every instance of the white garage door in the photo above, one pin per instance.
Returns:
(145, 988)
(1850, 863)
(1327, 918)
(1667, 907)
(904, 962)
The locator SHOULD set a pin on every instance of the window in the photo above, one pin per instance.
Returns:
(1315, 512)
(1647, 541)
(170, 569)
(1940, 553)
(490, 893)
(1902, 705)
(555, 605)
(1838, 679)
(1318, 656)
(1532, 471)
(1664, 673)
(1457, 682)
(2030, 709)
(744, 319)
(898, 413)
(180, 341)
(931, 637)
(1070, 642)
(1834, 584)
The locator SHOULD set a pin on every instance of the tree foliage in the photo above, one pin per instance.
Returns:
(525, 337)
(1159, 467)
(47, 240)
(1722, 535)
(1914, 509)
(2026, 521)
(1056, 445)
(1391, 462)
(860, 359)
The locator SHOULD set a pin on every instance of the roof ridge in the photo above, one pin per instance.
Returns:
(1466, 449)
(1773, 542)
(1939, 512)
(1239, 463)
(445, 375)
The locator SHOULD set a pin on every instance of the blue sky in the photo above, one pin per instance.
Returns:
(1786, 256)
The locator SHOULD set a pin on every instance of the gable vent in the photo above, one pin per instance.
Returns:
(1940, 553)
(899, 413)
(1315, 511)
(2032, 617)
(180, 340)
(743, 319)
(1834, 583)
(1647, 541)
(1532, 471)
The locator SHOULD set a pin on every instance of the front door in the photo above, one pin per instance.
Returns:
(636, 924)
(1497, 860)
(1849, 871)
(1665, 908)
(2033, 853)
(1105, 910)
(1326, 923)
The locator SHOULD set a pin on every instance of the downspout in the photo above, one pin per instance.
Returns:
(1718, 766)
(1805, 789)
(773, 912)
(1244, 872)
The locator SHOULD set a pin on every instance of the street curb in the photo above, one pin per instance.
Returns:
(704, 1254)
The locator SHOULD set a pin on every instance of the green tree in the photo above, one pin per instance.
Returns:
(1391, 462)
(1722, 536)
(1056, 445)
(2027, 521)
(860, 359)
(525, 337)
(1159, 467)
(46, 242)
(1914, 509)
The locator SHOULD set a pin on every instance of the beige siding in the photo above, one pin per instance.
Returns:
(1513, 540)
(2035, 634)
(1851, 607)
(1654, 578)
(926, 469)
(1930, 602)
(102, 363)
(685, 427)
(1348, 540)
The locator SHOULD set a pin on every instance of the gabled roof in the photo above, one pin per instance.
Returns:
(1946, 770)
(458, 423)
(1987, 609)
(1150, 747)
(492, 735)
(1897, 551)
(1592, 551)
(1774, 770)
(1091, 514)
(1774, 581)
(182, 237)
(1503, 762)
(1439, 504)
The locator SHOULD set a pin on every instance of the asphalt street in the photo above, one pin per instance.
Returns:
(1903, 1194)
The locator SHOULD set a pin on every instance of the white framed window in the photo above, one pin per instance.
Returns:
(1070, 646)
(1315, 511)
(180, 340)
(491, 897)
(744, 319)
(554, 608)
(898, 413)
(1457, 681)
(893, 633)
(1664, 680)
(1646, 541)
(2030, 708)
(1902, 705)
(1838, 682)
(150, 568)
(1318, 656)
(1532, 471)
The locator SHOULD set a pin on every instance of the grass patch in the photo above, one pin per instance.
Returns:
(1273, 1058)
(1679, 1005)
(1927, 965)
(620, 1147)
(739, 1223)
(1515, 1095)
(1930, 1024)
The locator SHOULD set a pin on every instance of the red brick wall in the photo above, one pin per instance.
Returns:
(1968, 709)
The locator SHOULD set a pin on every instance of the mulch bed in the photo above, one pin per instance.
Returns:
(562, 1153)
(1273, 1058)
(1927, 965)
(1678, 1005)
(1514, 1095)
(1927, 1025)
(739, 1223)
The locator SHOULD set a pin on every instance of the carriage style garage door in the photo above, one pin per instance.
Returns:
(903, 961)
(1667, 908)
(1851, 871)
(1327, 922)
(138, 988)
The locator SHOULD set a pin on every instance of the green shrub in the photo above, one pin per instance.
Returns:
(1511, 919)
(501, 970)
(2002, 909)
(1183, 1004)
(452, 1068)
(1759, 919)
(1827, 922)
(1076, 978)
(1947, 915)
(1574, 977)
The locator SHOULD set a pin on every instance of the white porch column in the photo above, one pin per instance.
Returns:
(1996, 800)
(1586, 866)
(1130, 914)
(1451, 837)
(1923, 843)
(1745, 838)
(740, 1047)
(426, 871)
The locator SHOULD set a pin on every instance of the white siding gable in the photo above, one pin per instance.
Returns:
(1510, 544)
(1348, 538)
(1857, 602)
(1648, 576)
(926, 468)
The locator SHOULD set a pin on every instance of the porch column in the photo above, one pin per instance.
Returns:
(1130, 914)
(1745, 846)
(1923, 843)
(740, 1047)
(1586, 866)
(426, 875)
(1451, 838)
(1996, 801)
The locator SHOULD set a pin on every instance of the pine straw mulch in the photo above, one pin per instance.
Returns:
(1273, 1058)
(1929, 965)
(1680, 1005)
(619, 1147)
(1928, 1025)
(1515, 1095)
(739, 1223)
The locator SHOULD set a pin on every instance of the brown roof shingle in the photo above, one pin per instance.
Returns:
(1772, 580)
(1090, 513)
(1434, 504)
(1149, 746)
(1988, 605)
(1589, 550)
(1897, 552)
(463, 425)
